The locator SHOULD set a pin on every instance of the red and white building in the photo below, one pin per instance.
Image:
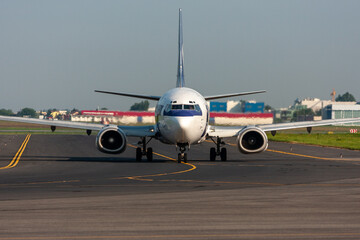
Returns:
(129, 118)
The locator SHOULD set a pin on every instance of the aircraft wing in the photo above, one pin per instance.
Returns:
(155, 98)
(207, 98)
(229, 131)
(132, 131)
(292, 125)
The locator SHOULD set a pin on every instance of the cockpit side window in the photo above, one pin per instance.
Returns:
(168, 108)
(158, 109)
(197, 107)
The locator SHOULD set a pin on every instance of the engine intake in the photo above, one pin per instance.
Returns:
(111, 140)
(252, 140)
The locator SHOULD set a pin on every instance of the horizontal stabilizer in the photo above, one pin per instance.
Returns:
(232, 95)
(155, 98)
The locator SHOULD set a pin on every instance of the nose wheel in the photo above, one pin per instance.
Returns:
(218, 151)
(140, 152)
(182, 156)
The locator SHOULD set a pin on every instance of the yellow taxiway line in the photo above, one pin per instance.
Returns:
(298, 155)
(303, 155)
(143, 177)
(17, 156)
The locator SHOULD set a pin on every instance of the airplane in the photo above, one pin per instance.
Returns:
(182, 119)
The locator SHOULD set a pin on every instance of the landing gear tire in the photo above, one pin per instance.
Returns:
(179, 158)
(149, 154)
(212, 154)
(138, 154)
(143, 151)
(182, 157)
(223, 154)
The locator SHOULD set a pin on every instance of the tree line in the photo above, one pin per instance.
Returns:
(24, 112)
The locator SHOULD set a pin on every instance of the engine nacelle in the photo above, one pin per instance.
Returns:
(252, 140)
(111, 140)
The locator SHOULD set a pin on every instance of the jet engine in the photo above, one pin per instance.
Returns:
(111, 140)
(252, 140)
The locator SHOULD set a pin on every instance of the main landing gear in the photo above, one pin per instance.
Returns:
(218, 151)
(182, 156)
(143, 151)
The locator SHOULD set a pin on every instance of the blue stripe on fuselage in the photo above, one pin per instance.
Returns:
(182, 113)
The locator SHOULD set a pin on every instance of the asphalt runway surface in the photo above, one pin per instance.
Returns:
(62, 187)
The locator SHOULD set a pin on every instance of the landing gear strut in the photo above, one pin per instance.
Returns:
(143, 151)
(182, 156)
(219, 151)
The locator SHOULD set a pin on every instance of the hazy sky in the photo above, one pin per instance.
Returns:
(56, 53)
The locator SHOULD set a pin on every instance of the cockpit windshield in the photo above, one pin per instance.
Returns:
(182, 110)
(176, 107)
(189, 107)
(194, 107)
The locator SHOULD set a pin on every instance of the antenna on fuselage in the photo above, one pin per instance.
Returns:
(180, 71)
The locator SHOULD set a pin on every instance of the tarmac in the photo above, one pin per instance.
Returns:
(62, 187)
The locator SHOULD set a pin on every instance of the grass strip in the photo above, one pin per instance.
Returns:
(339, 140)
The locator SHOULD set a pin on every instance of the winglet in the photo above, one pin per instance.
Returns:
(180, 71)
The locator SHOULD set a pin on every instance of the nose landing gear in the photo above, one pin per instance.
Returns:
(219, 151)
(148, 152)
(182, 156)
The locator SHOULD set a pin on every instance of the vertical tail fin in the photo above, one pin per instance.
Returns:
(180, 71)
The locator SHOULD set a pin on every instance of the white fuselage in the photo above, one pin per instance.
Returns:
(182, 117)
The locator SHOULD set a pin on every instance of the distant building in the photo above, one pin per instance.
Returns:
(218, 106)
(115, 117)
(315, 103)
(151, 109)
(233, 106)
(237, 107)
(250, 107)
(241, 119)
(338, 111)
(283, 115)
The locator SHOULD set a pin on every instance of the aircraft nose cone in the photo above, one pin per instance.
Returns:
(184, 130)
